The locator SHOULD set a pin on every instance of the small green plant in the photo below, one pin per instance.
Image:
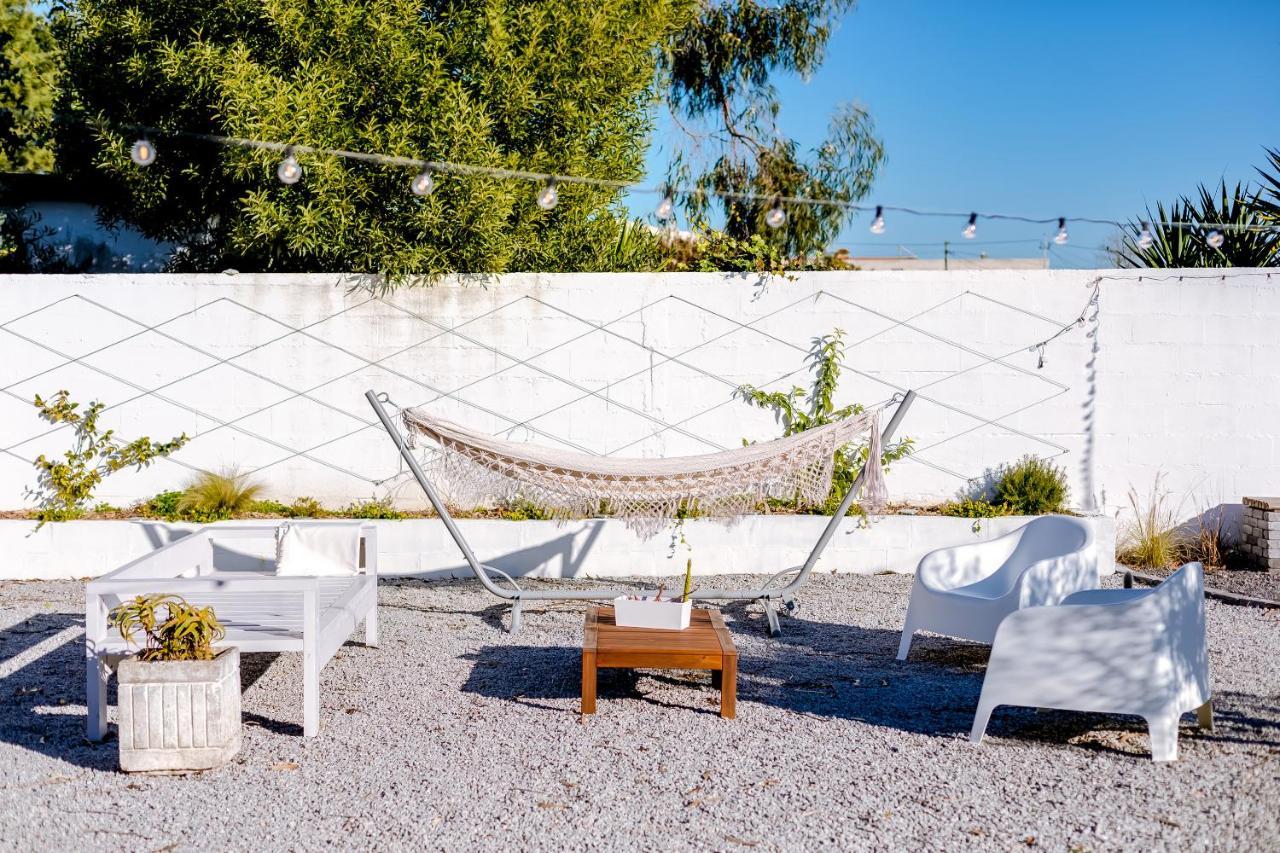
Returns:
(165, 506)
(688, 580)
(1031, 486)
(66, 485)
(1152, 536)
(373, 509)
(975, 508)
(523, 510)
(185, 633)
(716, 251)
(305, 507)
(800, 410)
(212, 496)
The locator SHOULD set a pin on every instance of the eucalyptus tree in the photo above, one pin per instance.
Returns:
(720, 89)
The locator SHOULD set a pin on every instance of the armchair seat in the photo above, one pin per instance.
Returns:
(966, 591)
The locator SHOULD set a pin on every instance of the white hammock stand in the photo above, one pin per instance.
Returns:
(647, 492)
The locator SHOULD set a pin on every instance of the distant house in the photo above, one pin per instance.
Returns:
(906, 261)
(69, 225)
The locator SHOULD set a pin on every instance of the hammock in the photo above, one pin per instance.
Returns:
(648, 493)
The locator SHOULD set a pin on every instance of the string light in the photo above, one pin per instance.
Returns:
(877, 224)
(1214, 239)
(776, 217)
(971, 229)
(422, 184)
(290, 170)
(143, 152)
(1061, 238)
(548, 196)
(1144, 239)
(666, 208)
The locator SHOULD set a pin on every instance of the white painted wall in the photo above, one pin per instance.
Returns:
(1185, 378)
(581, 549)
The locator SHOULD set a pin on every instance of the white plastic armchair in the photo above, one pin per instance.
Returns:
(966, 591)
(1122, 651)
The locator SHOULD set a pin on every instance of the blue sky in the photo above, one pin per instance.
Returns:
(1042, 108)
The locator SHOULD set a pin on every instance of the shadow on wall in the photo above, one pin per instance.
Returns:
(563, 557)
(1223, 519)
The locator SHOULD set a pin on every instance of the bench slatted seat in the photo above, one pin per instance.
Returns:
(262, 612)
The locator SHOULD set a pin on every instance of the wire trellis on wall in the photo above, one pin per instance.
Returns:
(341, 423)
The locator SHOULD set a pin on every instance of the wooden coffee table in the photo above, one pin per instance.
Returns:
(705, 644)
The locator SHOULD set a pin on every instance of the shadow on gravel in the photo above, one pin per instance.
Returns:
(849, 672)
(42, 703)
(38, 700)
(527, 674)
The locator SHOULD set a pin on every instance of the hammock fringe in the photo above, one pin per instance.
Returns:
(648, 493)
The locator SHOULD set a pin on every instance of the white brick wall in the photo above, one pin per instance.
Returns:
(1187, 376)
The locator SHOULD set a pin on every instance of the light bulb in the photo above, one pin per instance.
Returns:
(289, 171)
(1061, 238)
(776, 216)
(422, 184)
(1215, 239)
(665, 208)
(548, 196)
(972, 228)
(143, 152)
(877, 224)
(1144, 239)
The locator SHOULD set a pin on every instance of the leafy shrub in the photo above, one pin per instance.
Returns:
(1032, 486)
(211, 496)
(165, 505)
(373, 509)
(800, 410)
(186, 633)
(1152, 536)
(975, 508)
(67, 485)
(715, 251)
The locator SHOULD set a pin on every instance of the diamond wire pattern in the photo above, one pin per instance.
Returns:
(439, 330)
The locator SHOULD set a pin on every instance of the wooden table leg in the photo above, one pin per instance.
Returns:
(588, 682)
(729, 687)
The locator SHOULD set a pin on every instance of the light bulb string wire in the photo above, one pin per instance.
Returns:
(663, 190)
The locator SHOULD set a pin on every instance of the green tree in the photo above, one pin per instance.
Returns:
(28, 86)
(553, 87)
(719, 71)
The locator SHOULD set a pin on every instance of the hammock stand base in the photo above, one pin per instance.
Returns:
(773, 596)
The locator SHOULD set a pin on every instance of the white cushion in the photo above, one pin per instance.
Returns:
(318, 550)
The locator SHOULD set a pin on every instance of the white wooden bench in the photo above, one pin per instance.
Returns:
(231, 568)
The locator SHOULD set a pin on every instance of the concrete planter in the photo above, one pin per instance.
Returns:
(179, 715)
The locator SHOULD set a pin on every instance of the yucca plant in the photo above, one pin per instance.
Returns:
(1180, 233)
(215, 495)
(185, 633)
(1268, 200)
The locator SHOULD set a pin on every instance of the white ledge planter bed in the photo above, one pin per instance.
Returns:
(231, 569)
(596, 548)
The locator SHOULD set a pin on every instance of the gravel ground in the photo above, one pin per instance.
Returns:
(1255, 583)
(455, 735)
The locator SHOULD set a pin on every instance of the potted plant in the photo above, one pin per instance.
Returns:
(641, 611)
(179, 699)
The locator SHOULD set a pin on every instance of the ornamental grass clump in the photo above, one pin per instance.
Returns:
(1152, 536)
(212, 496)
(186, 632)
